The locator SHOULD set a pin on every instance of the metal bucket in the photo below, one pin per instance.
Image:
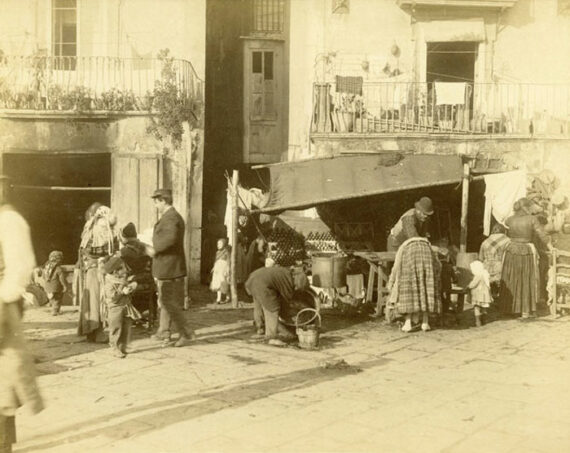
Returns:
(308, 333)
(329, 270)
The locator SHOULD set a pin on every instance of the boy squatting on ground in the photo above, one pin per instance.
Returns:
(54, 280)
(118, 289)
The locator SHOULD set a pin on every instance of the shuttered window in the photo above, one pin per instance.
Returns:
(263, 85)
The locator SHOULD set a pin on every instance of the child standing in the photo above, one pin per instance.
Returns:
(221, 272)
(480, 288)
(54, 280)
(118, 289)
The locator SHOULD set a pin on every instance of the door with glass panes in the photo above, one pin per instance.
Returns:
(263, 101)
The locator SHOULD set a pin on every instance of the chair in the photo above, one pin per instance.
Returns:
(559, 281)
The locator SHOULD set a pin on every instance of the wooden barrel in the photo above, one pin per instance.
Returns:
(329, 270)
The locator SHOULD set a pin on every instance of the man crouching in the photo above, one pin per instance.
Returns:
(272, 289)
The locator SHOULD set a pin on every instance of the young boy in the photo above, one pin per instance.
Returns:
(118, 289)
(54, 280)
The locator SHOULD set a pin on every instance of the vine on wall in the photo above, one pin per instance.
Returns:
(169, 108)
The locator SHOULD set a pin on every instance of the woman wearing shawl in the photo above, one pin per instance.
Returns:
(98, 242)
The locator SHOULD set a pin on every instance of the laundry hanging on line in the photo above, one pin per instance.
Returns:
(450, 93)
(501, 192)
(247, 198)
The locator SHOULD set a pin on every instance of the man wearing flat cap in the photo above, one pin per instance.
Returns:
(411, 224)
(169, 269)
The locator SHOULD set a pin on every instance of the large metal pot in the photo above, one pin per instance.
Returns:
(329, 270)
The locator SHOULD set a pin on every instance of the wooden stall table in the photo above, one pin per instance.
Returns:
(379, 263)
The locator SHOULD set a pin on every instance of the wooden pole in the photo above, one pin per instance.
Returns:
(464, 209)
(233, 264)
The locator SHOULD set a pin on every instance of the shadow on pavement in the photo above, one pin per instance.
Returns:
(190, 407)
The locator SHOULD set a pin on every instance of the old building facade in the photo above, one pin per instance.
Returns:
(92, 108)
(259, 82)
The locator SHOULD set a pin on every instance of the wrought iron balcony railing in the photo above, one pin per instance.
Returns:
(354, 107)
(91, 83)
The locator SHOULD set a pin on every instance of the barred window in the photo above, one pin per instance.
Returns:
(268, 16)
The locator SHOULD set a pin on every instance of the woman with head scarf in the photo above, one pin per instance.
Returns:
(519, 288)
(99, 241)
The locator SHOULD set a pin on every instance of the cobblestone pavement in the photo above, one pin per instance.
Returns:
(499, 388)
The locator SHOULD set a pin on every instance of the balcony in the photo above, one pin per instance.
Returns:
(405, 108)
(92, 84)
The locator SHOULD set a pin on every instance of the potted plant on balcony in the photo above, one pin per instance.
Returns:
(81, 97)
(347, 110)
(116, 100)
(78, 99)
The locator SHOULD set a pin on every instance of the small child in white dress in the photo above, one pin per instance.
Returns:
(480, 291)
(220, 283)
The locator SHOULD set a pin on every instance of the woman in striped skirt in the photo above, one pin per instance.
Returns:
(520, 275)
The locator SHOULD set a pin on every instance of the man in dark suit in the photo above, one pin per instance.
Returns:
(169, 269)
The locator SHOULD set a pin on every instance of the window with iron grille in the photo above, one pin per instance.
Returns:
(64, 32)
(268, 16)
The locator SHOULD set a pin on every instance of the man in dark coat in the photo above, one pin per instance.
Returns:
(169, 268)
(273, 288)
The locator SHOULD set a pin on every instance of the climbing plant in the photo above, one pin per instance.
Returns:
(169, 107)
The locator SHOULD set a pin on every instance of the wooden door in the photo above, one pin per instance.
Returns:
(135, 176)
(263, 101)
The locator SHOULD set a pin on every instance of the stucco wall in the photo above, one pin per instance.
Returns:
(123, 28)
(323, 44)
(533, 43)
(24, 26)
(127, 136)
(527, 43)
(534, 155)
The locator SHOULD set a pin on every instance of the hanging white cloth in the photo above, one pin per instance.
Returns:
(501, 192)
(247, 198)
(450, 93)
(228, 217)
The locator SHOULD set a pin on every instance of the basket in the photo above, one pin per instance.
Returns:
(307, 333)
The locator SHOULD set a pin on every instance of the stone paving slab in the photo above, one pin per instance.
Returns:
(498, 388)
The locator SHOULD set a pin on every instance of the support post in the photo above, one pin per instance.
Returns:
(233, 263)
(464, 209)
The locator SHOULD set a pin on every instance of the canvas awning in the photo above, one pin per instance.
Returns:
(302, 184)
